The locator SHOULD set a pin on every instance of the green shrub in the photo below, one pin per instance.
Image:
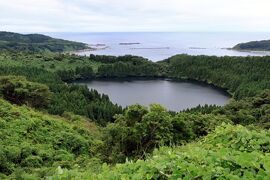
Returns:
(137, 132)
(218, 156)
(32, 161)
(18, 90)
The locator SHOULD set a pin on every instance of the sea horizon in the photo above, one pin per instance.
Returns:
(157, 46)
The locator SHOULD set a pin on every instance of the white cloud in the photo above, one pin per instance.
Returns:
(134, 15)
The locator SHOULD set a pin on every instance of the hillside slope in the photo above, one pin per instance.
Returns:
(35, 142)
(36, 42)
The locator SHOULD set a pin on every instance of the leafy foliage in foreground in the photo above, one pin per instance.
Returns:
(230, 152)
(32, 142)
(36, 145)
(138, 131)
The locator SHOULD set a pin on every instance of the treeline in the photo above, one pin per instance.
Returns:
(73, 67)
(112, 67)
(122, 69)
(80, 72)
(241, 76)
(113, 59)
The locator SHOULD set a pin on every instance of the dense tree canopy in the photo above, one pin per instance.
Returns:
(241, 76)
(138, 131)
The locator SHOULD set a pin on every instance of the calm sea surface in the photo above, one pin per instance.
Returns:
(159, 46)
(174, 95)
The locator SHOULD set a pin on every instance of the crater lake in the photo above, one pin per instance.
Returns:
(174, 95)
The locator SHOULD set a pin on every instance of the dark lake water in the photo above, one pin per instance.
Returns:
(174, 95)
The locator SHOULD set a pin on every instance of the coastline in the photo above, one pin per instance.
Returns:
(248, 50)
(87, 49)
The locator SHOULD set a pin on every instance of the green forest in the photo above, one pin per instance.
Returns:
(52, 128)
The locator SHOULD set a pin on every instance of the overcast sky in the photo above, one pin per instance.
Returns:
(134, 15)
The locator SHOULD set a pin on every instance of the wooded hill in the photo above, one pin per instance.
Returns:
(254, 46)
(36, 43)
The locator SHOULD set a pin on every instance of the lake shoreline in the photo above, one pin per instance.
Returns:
(174, 94)
(186, 80)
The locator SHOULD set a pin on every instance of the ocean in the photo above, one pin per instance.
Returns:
(159, 46)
